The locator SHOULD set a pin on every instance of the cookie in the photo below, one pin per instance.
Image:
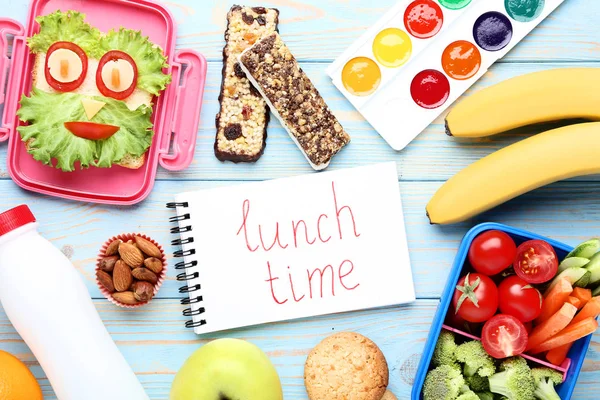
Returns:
(389, 396)
(346, 366)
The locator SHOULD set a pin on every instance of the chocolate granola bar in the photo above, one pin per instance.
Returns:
(243, 116)
(295, 101)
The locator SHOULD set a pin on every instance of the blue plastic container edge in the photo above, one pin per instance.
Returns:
(438, 320)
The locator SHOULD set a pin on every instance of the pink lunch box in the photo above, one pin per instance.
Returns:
(176, 111)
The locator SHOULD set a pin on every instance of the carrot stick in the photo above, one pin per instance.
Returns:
(554, 300)
(557, 356)
(568, 335)
(574, 301)
(582, 294)
(591, 309)
(551, 326)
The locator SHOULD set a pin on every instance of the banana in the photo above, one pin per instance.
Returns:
(519, 168)
(528, 99)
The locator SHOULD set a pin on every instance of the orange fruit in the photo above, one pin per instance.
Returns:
(16, 381)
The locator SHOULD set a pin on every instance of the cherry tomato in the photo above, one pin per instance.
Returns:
(475, 298)
(66, 86)
(492, 252)
(536, 261)
(454, 320)
(91, 130)
(115, 55)
(504, 336)
(519, 299)
(528, 327)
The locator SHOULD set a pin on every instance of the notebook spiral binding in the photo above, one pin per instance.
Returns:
(182, 265)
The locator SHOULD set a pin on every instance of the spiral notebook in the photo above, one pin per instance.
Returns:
(290, 248)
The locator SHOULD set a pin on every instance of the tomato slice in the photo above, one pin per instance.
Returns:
(115, 55)
(66, 86)
(492, 252)
(536, 261)
(91, 130)
(504, 336)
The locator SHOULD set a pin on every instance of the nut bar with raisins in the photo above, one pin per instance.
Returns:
(295, 101)
(243, 116)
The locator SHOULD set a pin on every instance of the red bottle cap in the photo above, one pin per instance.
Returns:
(15, 218)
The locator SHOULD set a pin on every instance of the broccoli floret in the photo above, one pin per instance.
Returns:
(478, 383)
(545, 380)
(476, 359)
(443, 383)
(515, 381)
(444, 350)
(468, 396)
(485, 395)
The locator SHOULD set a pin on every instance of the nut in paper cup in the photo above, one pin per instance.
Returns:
(125, 237)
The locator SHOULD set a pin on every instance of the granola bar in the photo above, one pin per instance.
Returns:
(243, 116)
(295, 101)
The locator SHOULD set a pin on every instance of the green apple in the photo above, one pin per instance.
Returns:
(227, 369)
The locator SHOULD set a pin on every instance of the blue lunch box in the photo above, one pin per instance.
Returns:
(572, 365)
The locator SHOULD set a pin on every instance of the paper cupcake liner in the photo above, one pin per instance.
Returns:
(125, 237)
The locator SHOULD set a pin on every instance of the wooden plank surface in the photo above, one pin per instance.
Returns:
(153, 339)
(155, 345)
(568, 212)
(321, 29)
(431, 156)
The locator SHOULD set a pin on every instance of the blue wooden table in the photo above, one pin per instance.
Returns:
(153, 338)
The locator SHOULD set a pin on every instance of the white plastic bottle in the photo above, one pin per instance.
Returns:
(49, 305)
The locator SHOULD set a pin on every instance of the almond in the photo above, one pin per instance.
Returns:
(107, 264)
(144, 274)
(125, 298)
(131, 255)
(122, 276)
(105, 280)
(113, 247)
(143, 291)
(147, 247)
(154, 265)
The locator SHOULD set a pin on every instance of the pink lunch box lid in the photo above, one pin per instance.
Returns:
(176, 111)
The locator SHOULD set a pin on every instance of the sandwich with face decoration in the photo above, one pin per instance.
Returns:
(92, 94)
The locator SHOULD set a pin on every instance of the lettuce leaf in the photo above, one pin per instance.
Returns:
(148, 57)
(69, 27)
(48, 139)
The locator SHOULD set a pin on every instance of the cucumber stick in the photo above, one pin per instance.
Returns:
(575, 276)
(594, 268)
(573, 262)
(596, 292)
(584, 281)
(586, 249)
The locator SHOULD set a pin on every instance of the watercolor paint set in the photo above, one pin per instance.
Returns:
(422, 55)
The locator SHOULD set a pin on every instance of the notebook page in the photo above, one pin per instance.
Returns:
(298, 247)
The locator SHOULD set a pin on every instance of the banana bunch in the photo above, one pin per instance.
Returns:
(531, 163)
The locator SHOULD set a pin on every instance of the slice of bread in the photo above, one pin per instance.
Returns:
(88, 87)
(129, 161)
